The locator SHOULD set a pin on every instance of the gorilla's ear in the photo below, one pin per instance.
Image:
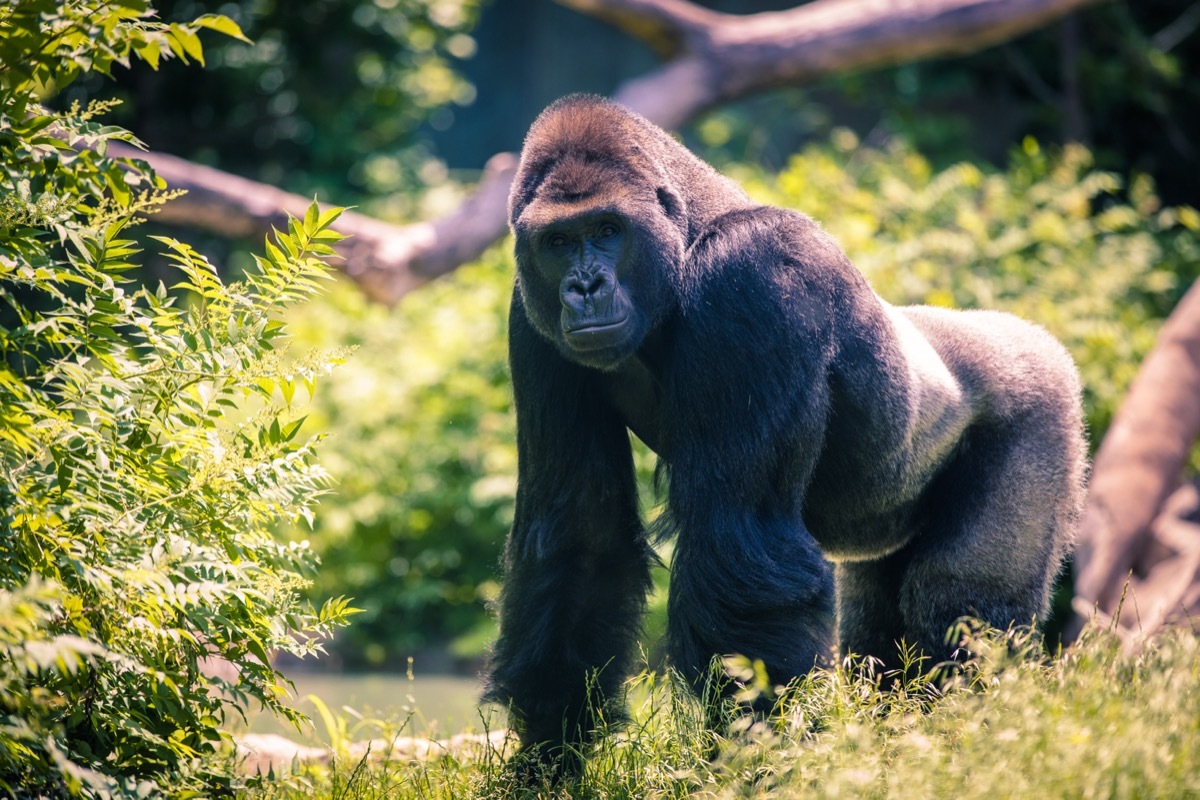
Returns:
(671, 203)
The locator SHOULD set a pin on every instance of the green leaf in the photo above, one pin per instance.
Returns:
(292, 428)
(274, 254)
(222, 24)
(189, 40)
(329, 216)
(149, 50)
(312, 217)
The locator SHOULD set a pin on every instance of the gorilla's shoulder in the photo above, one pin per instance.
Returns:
(768, 245)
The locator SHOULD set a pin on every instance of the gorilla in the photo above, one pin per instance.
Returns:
(934, 457)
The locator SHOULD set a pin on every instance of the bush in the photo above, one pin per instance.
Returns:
(340, 96)
(423, 450)
(147, 445)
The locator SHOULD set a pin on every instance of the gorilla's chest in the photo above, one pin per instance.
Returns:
(636, 392)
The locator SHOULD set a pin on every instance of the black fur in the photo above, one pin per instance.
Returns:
(936, 457)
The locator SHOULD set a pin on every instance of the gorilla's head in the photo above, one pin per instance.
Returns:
(601, 227)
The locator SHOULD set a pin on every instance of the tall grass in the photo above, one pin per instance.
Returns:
(1095, 722)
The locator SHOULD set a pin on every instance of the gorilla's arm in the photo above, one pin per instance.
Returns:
(747, 385)
(577, 560)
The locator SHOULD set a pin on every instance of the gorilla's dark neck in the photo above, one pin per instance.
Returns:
(635, 388)
(708, 193)
(653, 351)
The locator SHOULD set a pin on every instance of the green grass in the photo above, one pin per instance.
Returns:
(1096, 722)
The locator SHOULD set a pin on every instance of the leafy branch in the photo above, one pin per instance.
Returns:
(149, 442)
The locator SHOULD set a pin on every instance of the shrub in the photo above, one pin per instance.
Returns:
(424, 453)
(147, 445)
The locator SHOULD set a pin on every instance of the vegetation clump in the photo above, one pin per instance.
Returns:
(1095, 722)
(148, 444)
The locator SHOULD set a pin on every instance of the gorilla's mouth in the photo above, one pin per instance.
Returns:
(595, 336)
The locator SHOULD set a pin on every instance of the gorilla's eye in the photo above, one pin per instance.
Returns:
(557, 240)
(607, 230)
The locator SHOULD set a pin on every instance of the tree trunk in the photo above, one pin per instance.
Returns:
(1139, 546)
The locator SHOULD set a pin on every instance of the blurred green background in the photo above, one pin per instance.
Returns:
(1053, 176)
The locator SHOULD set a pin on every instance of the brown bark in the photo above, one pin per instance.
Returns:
(712, 58)
(1131, 532)
(719, 57)
(386, 260)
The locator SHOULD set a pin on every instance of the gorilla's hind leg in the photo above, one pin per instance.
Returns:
(998, 522)
(870, 622)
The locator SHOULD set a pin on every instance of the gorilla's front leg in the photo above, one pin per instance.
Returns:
(742, 443)
(568, 620)
(755, 587)
(576, 562)
(870, 622)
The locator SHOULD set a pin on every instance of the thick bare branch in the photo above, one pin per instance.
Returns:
(714, 58)
(725, 56)
(667, 26)
(1128, 532)
(386, 260)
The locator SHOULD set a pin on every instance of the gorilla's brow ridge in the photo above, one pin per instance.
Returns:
(579, 176)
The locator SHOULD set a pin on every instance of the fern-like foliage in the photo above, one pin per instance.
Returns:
(148, 444)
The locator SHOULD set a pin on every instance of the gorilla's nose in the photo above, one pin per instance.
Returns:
(587, 294)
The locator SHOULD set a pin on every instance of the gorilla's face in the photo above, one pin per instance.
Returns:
(591, 274)
(592, 281)
(599, 243)
(599, 320)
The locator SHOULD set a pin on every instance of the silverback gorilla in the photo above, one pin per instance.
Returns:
(935, 457)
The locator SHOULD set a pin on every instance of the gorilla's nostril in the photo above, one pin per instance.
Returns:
(574, 287)
(584, 287)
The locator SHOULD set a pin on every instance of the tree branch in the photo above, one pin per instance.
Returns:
(667, 26)
(386, 260)
(713, 58)
(739, 55)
